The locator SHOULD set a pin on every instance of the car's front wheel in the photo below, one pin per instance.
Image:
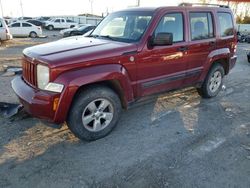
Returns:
(94, 113)
(213, 82)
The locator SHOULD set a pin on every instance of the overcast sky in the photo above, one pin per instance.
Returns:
(73, 7)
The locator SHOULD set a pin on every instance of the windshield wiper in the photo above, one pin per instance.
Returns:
(102, 36)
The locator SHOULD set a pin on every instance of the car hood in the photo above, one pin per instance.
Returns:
(78, 50)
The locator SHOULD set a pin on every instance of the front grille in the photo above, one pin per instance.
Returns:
(29, 72)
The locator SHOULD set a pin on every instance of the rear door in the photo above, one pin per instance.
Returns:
(26, 29)
(64, 24)
(202, 42)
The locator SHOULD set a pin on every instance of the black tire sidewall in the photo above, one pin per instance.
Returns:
(215, 68)
(50, 27)
(75, 117)
(32, 32)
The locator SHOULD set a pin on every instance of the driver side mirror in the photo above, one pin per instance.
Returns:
(162, 39)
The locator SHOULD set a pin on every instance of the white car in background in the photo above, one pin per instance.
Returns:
(59, 23)
(25, 29)
(4, 31)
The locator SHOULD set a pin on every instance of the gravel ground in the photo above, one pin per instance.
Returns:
(175, 140)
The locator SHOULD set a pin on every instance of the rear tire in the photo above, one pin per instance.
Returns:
(94, 113)
(213, 82)
(50, 27)
(33, 34)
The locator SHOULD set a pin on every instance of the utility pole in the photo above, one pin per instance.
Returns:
(138, 3)
(91, 6)
(1, 5)
(21, 4)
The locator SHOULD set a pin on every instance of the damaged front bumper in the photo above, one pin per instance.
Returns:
(36, 102)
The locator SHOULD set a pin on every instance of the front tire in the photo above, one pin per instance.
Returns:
(94, 113)
(213, 82)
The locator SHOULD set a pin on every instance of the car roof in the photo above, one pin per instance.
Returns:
(166, 8)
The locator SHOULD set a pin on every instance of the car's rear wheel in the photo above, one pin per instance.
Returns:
(50, 27)
(33, 34)
(213, 82)
(94, 113)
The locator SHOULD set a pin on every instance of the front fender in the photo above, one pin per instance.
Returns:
(74, 79)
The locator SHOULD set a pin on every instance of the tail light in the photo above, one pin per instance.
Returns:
(234, 47)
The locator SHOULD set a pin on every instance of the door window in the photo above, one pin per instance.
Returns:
(57, 21)
(172, 23)
(16, 25)
(201, 25)
(26, 25)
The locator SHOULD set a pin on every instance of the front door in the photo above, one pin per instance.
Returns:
(164, 67)
(57, 23)
(15, 29)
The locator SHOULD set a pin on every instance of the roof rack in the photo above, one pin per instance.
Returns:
(202, 4)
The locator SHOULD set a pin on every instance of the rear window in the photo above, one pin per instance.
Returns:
(26, 25)
(225, 24)
(201, 25)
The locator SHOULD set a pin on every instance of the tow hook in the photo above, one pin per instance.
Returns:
(9, 110)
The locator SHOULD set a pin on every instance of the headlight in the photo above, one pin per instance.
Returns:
(42, 76)
(43, 80)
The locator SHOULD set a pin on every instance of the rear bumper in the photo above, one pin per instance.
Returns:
(36, 102)
(232, 62)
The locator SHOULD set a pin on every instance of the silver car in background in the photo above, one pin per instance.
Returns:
(4, 31)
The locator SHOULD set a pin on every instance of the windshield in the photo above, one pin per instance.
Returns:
(124, 26)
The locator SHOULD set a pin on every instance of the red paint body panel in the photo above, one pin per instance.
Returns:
(138, 69)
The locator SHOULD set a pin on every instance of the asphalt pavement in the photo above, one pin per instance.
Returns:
(175, 140)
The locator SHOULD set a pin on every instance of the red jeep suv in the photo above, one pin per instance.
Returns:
(86, 81)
